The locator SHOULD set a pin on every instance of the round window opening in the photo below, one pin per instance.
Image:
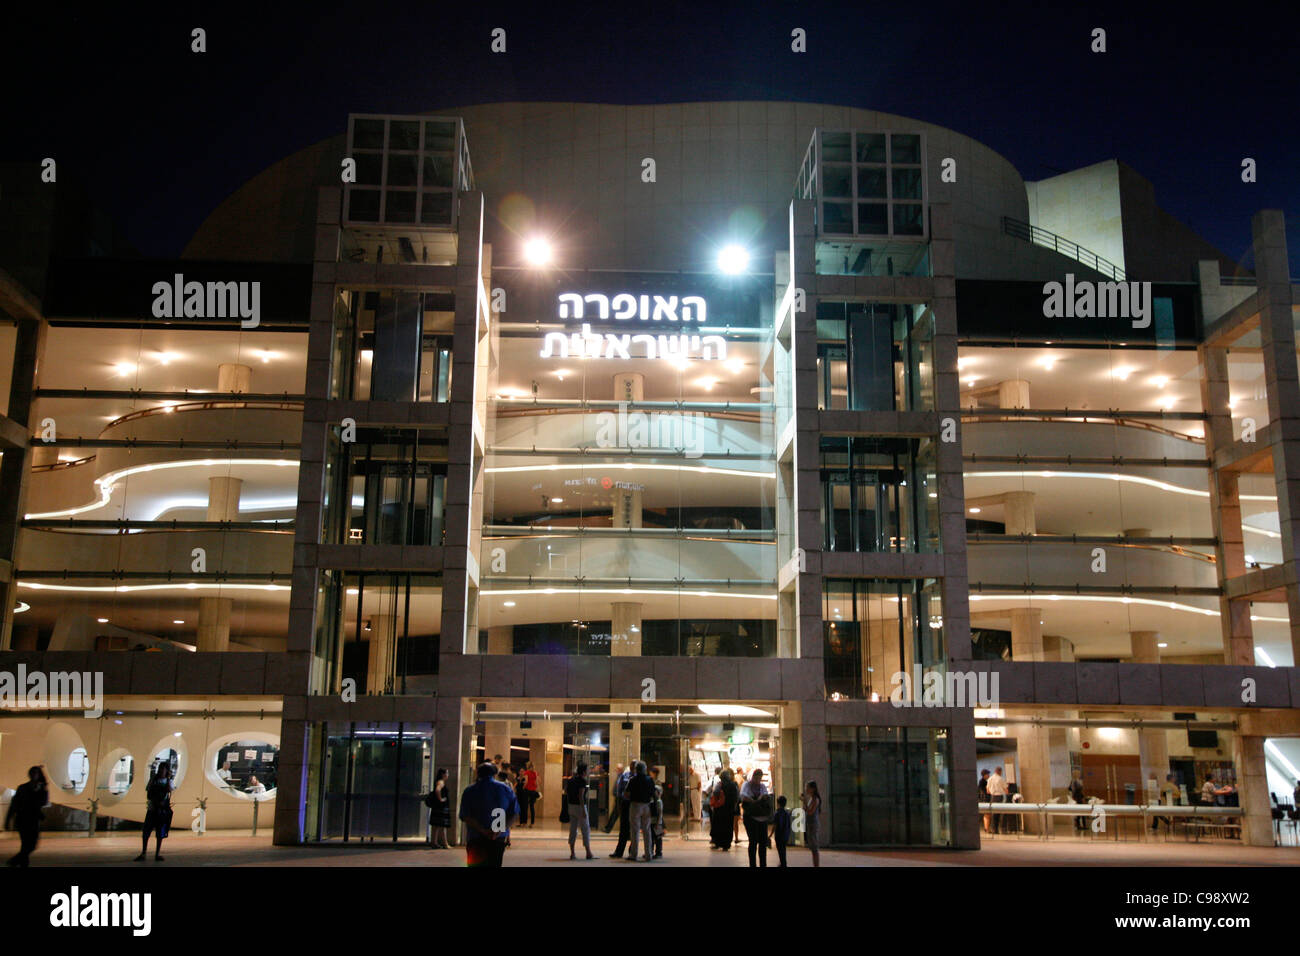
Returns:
(122, 775)
(247, 768)
(78, 770)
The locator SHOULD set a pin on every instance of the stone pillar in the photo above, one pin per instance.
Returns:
(625, 629)
(1013, 393)
(1252, 790)
(1026, 634)
(496, 739)
(501, 639)
(1034, 768)
(1144, 649)
(214, 612)
(1153, 751)
(234, 378)
(383, 645)
(1018, 510)
(627, 508)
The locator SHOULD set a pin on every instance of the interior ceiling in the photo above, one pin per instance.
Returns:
(256, 614)
(1120, 378)
(158, 360)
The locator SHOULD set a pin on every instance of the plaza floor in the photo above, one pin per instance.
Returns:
(549, 848)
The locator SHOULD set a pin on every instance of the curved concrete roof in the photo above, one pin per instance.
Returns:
(724, 170)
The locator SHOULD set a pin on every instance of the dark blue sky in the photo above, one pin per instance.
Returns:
(160, 135)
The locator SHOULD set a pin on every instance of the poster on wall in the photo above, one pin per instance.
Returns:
(250, 754)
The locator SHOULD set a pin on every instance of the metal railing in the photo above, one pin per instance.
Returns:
(1050, 240)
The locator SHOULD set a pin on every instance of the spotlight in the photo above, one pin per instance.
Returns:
(733, 259)
(537, 252)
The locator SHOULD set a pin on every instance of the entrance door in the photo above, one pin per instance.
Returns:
(1116, 778)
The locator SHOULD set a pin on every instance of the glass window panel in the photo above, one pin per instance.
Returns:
(873, 219)
(905, 148)
(907, 183)
(435, 208)
(439, 137)
(836, 148)
(907, 219)
(368, 133)
(437, 171)
(370, 169)
(404, 134)
(363, 205)
(837, 181)
(871, 182)
(837, 217)
(401, 170)
(399, 206)
(871, 147)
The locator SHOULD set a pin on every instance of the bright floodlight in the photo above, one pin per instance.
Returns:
(733, 259)
(537, 252)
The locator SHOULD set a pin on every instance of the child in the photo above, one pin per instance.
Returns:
(781, 828)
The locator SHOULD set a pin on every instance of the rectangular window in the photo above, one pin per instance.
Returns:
(880, 636)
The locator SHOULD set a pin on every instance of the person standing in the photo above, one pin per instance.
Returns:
(690, 784)
(984, 798)
(781, 824)
(575, 795)
(1169, 796)
(812, 820)
(1295, 795)
(488, 807)
(26, 809)
(657, 813)
(723, 807)
(439, 805)
(531, 794)
(757, 803)
(997, 794)
(640, 794)
(615, 810)
(1076, 796)
(624, 807)
(158, 815)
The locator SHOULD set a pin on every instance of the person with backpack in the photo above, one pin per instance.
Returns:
(575, 797)
(158, 816)
(757, 803)
(27, 810)
(723, 805)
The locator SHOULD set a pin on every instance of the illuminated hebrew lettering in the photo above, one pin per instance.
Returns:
(548, 351)
(570, 305)
(665, 308)
(698, 314)
(602, 301)
(645, 307)
(649, 344)
(616, 345)
(717, 351)
(674, 346)
(624, 306)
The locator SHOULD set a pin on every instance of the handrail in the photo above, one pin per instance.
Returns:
(200, 406)
(61, 465)
(1089, 419)
(542, 410)
(550, 532)
(1049, 240)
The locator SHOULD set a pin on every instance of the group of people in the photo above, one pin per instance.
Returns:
(27, 810)
(640, 799)
(765, 821)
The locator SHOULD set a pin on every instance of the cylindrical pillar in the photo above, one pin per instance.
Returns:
(629, 387)
(1252, 790)
(214, 612)
(1144, 649)
(234, 378)
(627, 507)
(496, 739)
(625, 629)
(1026, 634)
(1018, 510)
(1013, 393)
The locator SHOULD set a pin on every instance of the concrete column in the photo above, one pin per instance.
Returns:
(214, 612)
(1153, 750)
(1013, 393)
(1026, 634)
(1144, 649)
(1034, 767)
(496, 739)
(383, 645)
(1252, 790)
(234, 378)
(627, 508)
(629, 387)
(501, 639)
(625, 629)
(1018, 510)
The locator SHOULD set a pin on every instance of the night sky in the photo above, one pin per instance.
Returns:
(160, 135)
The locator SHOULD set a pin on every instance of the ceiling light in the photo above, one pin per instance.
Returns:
(165, 358)
(1123, 372)
(934, 494)
(124, 368)
(736, 366)
(733, 259)
(706, 383)
(974, 511)
(509, 603)
(537, 251)
(178, 622)
(1162, 644)
(557, 501)
(733, 710)
(971, 381)
(1048, 362)
(102, 620)
(1160, 381)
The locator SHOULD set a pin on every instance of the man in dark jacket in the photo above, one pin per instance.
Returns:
(26, 809)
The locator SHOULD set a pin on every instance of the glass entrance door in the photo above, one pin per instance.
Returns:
(373, 780)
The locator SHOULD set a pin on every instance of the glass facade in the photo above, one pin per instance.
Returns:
(891, 786)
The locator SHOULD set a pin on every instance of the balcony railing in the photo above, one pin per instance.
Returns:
(1050, 240)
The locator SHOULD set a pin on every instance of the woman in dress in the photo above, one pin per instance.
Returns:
(439, 805)
(812, 816)
(158, 816)
(724, 815)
